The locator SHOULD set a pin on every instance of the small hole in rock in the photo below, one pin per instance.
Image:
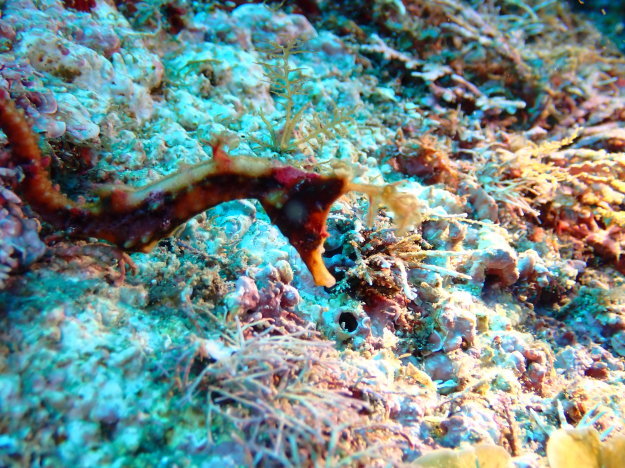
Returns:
(348, 322)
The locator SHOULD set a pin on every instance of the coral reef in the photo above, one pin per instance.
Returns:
(312, 233)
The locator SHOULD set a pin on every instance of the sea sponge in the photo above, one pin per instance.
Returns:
(482, 455)
(582, 446)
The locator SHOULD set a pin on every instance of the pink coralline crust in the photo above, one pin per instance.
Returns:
(516, 359)
(536, 377)
(267, 26)
(40, 105)
(483, 204)
(20, 245)
(269, 297)
(534, 362)
(439, 366)
(500, 264)
(470, 423)
(608, 242)
(456, 329)
(532, 268)
(385, 312)
(461, 332)
(6, 30)
(98, 38)
(246, 294)
(576, 361)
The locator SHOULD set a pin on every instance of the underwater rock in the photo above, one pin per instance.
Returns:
(486, 308)
(494, 259)
(267, 26)
(20, 245)
(455, 324)
(471, 422)
(245, 296)
(484, 205)
(618, 343)
(21, 81)
(497, 265)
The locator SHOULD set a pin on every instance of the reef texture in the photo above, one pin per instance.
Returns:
(462, 160)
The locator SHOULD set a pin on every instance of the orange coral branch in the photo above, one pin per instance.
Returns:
(298, 202)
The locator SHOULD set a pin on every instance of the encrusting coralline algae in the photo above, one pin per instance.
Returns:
(468, 156)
